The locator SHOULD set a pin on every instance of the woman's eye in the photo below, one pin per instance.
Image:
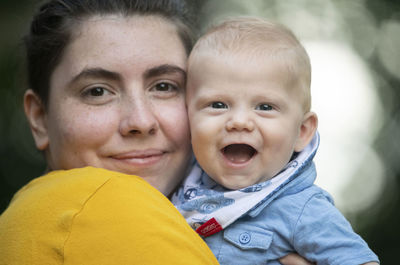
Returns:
(218, 105)
(264, 107)
(97, 95)
(96, 91)
(165, 87)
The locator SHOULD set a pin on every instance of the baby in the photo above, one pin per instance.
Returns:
(253, 134)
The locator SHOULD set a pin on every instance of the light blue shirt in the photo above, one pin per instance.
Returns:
(299, 218)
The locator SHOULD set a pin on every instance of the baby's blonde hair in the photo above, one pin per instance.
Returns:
(257, 37)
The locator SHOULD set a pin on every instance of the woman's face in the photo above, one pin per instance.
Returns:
(117, 101)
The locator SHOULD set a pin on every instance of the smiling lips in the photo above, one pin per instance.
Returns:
(140, 158)
(238, 154)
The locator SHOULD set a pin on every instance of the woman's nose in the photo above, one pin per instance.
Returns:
(240, 121)
(138, 119)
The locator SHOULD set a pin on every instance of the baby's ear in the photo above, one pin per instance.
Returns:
(36, 115)
(307, 131)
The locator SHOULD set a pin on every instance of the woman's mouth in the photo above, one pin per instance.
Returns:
(140, 158)
(238, 153)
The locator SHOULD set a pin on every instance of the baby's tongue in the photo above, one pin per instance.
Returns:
(238, 153)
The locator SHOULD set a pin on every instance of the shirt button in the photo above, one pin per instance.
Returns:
(244, 238)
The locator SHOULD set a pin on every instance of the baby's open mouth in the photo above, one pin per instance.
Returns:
(238, 153)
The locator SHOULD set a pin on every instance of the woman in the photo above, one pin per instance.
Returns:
(109, 92)
(106, 90)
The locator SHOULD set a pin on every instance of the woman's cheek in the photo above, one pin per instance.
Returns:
(89, 127)
(174, 121)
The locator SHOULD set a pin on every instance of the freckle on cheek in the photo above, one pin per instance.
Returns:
(83, 129)
(177, 119)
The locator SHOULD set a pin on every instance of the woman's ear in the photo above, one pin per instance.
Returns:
(307, 131)
(36, 115)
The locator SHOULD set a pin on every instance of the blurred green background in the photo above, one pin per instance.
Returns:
(354, 46)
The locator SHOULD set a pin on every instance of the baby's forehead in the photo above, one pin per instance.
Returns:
(266, 62)
(271, 52)
(264, 42)
(268, 68)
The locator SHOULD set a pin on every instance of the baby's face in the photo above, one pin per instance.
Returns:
(245, 120)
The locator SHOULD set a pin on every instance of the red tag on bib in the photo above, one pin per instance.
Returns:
(209, 228)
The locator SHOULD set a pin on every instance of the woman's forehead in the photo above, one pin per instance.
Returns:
(133, 29)
(126, 45)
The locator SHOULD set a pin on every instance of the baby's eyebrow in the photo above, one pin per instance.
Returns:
(97, 72)
(164, 69)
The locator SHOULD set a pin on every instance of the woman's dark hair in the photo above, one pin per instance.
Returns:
(52, 26)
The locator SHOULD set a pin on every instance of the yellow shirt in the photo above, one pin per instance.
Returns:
(95, 216)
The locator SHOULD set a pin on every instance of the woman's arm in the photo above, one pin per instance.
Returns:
(294, 259)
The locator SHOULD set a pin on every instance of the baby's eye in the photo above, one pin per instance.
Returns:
(218, 105)
(264, 107)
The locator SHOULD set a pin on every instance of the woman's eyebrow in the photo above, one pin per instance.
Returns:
(164, 69)
(97, 73)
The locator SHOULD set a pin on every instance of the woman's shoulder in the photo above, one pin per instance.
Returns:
(64, 188)
(95, 216)
(60, 196)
